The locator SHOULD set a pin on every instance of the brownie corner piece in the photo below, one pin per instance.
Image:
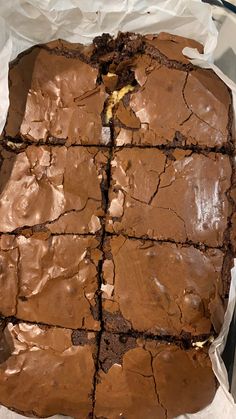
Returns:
(56, 187)
(54, 96)
(43, 373)
(161, 289)
(168, 48)
(140, 377)
(170, 106)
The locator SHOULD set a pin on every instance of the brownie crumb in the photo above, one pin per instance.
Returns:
(112, 349)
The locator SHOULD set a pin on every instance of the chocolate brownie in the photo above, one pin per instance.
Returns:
(173, 106)
(180, 197)
(42, 372)
(57, 187)
(168, 49)
(161, 288)
(117, 219)
(54, 97)
(52, 280)
(150, 379)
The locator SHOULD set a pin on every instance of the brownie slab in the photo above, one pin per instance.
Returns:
(54, 97)
(58, 187)
(50, 280)
(151, 379)
(43, 373)
(171, 106)
(179, 196)
(161, 289)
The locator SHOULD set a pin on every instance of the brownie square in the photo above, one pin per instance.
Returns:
(54, 97)
(161, 288)
(43, 373)
(150, 379)
(168, 48)
(173, 107)
(51, 280)
(58, 188)
(179, 196)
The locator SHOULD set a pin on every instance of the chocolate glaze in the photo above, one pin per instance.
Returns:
(50, 280)
(56, 186)
(181, 199)
(152, 380)
(162, 289)
(44, 373)
(55, 96)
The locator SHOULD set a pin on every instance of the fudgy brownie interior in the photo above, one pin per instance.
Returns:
(117, 228)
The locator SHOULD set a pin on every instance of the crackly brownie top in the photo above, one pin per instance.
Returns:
(58, 93)
(54, 96)
(59, 187)
(180, 197)
(51, 280)
(172, 105)
(161, 288)
(42, 372)
(151, 379)
(116, 178)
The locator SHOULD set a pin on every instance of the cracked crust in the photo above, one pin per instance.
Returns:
(58, 95)
(160, 298)
(56, 188)
(54, 97)
(50, 280)
(192, 107)
(182, 199)
(48, 357)
(167, 49)
(144, 378)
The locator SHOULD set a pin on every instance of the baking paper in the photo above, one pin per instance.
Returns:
(25, 23)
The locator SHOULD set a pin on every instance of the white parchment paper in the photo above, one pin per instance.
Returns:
(24, 23)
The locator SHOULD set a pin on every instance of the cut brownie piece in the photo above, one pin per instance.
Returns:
(58, 187)
(42, 372)
(162, 289)
(54, 97)
(50, 280)
(174, 107)
(151, 379)
(180, 196)
(168, 48)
